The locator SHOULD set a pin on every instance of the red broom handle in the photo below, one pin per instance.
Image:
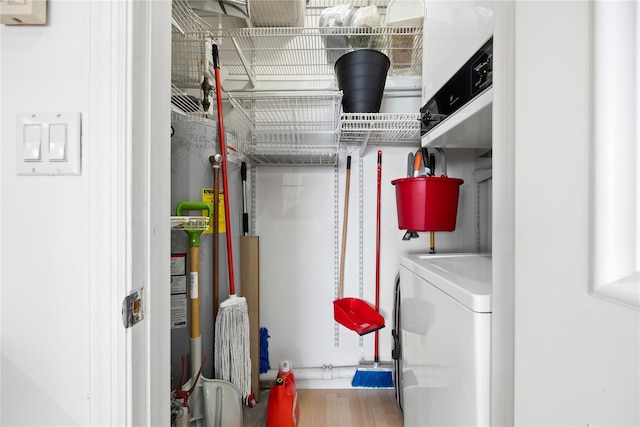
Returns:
(375, 345)
(225, 183)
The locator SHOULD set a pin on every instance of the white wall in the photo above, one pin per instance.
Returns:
(576, 356)
(45, 230)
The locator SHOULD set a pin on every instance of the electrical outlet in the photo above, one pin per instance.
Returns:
(23, 12)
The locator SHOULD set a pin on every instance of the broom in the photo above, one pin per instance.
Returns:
(375, 377)
(232, 361)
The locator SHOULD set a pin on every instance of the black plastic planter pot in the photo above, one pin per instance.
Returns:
(361, 76)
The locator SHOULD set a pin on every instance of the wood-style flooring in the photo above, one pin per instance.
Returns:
(349, 408)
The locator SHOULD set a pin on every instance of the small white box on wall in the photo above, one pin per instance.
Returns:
(23, 12)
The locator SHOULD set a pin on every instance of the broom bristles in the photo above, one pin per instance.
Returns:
(373, 378)
(232, 361)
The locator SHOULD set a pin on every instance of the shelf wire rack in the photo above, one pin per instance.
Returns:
(360, 129)
(304, 58)
(289, 127)
(191, 51)
(282, 82)
(185, 107)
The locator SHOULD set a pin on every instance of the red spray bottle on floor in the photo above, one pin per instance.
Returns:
(282, 408)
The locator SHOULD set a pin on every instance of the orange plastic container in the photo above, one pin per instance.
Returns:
(285, 372)
(427, 203)
(282, 408)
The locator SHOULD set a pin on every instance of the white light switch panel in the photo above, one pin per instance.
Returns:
(48, 144)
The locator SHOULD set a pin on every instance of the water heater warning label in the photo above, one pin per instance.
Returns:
(178, 311)
(178, 285)
(207, 196)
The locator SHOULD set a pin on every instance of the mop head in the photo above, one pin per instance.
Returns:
(373, 378)
(232, 358)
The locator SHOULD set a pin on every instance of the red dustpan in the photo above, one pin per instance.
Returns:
(357, 315)
(353, 313)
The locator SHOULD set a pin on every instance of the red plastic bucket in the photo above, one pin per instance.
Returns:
(427, 203)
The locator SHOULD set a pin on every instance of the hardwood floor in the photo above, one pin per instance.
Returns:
(349, 408)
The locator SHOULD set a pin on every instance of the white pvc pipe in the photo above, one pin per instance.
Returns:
(326, 372)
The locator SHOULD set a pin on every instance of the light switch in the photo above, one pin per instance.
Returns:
(31, 147)
(48, 143)
(58, 142)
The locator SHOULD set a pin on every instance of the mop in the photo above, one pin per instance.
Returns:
(375, 377)
(232, 360)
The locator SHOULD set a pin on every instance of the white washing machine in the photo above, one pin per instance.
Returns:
(445, 328)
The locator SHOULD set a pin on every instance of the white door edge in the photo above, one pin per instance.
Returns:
(128, 152)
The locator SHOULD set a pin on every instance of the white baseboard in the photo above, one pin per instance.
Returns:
(334, 384)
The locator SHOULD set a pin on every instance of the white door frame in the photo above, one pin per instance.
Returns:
(151, 194)
(503, 240)
(129, 168)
